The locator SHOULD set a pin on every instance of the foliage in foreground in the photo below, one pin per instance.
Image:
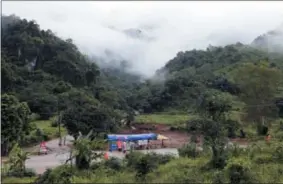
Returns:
(256, 164)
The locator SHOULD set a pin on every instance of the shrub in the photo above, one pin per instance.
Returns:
(42, 136)
(219, 157)
(61, 174)
(253, 149)
(193, 139)
(232, 127)
(144, 163)
(194, 125)
(172, 128)
(30, 140)
(189, 150)
(218, 178)
(278, 153)
(281, 126)
(238, 171)
(44, 178)
(94, 166)
(279, 136)
(34, 117)
(114, 163)
(39, 132)
(20, 173)
(163, 159)
(133, 158)
(18, 180)
(262, 159)
(181, 170)
(54, 123)
(177, 128)
(234, 150)
(30, 172)
(46, 137)
(231, 132)
(99, 144)
(242, 134)
(262, 130)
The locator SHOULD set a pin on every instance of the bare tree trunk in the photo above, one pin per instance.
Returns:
(71, 157)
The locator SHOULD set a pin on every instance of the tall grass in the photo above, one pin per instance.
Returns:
(167, 119)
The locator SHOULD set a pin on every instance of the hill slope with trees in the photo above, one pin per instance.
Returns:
(184, 78)
(51, 75)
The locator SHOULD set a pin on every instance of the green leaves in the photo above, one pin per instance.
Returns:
(14, 120)
(259, 85)
(83, 151)
(214, 105)
(17, 159)
(88, 116)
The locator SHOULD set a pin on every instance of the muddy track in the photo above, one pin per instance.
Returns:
(176, 138)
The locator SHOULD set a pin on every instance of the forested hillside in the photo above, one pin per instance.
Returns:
(51, 75)
(191, 73)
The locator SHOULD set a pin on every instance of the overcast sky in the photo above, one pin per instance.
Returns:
(175, 26)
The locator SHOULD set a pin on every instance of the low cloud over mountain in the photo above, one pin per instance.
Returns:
(148, 34)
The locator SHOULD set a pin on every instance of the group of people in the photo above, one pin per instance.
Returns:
(124, 146)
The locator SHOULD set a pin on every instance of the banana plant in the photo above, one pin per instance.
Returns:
(17, 159)
(82, 151)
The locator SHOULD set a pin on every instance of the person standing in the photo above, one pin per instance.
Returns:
(106, 156)
(64, 140)
(119, 145)
(124, 147)
(43, 148)
(132, 146)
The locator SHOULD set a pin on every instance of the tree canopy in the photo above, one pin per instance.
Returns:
(14, 121)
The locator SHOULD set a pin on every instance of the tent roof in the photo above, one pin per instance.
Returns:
(131, 137)
(161, 137)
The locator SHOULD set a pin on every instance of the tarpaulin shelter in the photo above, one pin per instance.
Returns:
(131, 137)
(112, 138)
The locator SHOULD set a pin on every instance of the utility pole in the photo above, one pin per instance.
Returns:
(59, 124)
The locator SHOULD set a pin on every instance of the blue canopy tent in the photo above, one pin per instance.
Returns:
(131, 137)
(128, 137)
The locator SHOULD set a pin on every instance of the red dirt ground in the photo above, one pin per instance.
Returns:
(176, 138)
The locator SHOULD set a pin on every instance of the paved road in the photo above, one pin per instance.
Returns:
(55, 157)
(42, 162)
(59, 155)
